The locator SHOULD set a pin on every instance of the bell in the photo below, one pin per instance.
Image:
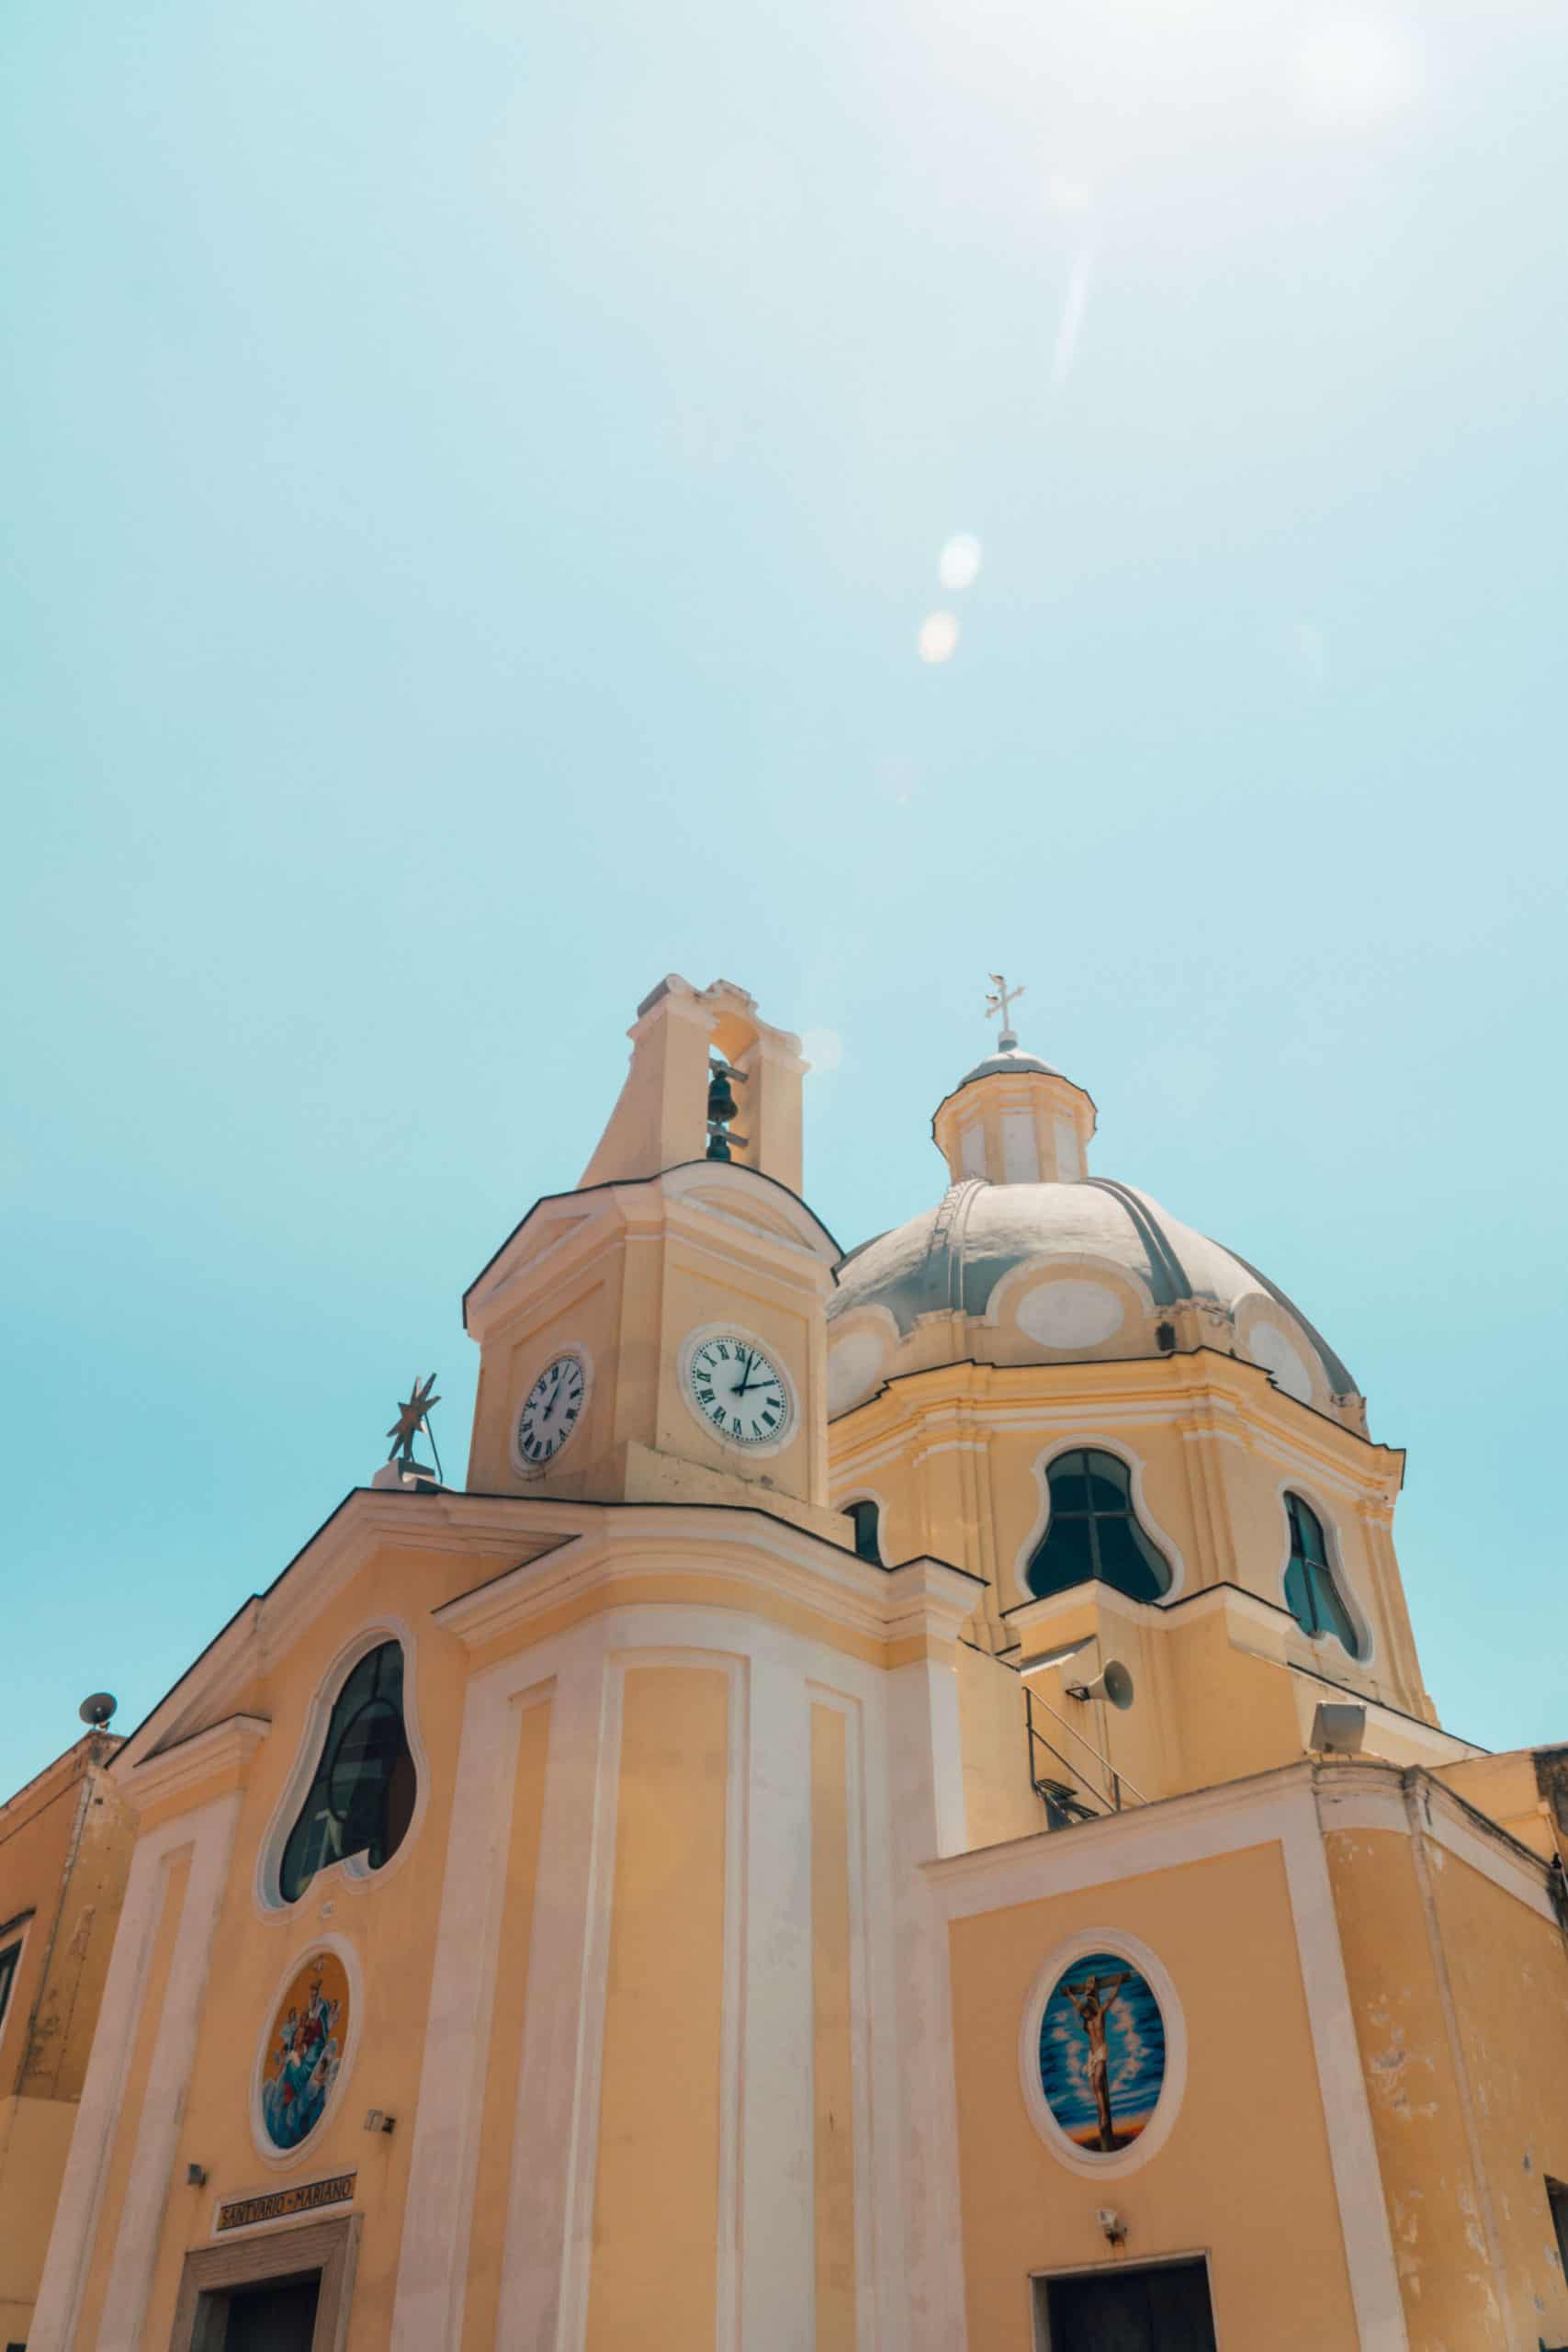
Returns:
(722, 1105)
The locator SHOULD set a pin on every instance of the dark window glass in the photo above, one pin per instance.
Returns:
(866, 1520)
(1093, 1531)
(1312, 1596)
(361, 1799)
(8, 1959)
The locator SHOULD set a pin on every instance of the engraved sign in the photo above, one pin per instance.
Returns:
(305, 2197)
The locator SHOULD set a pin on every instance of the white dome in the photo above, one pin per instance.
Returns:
(1092, 1268)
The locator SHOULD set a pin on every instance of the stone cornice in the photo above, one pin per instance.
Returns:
(1204, 1391)
(1361, 1794)
(519, 1531)
(223, 1747)
(629, 1544)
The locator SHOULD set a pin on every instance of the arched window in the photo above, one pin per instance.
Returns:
(361, 1799)
(1093, 1530)
(1312, 1596)
(866, 1520)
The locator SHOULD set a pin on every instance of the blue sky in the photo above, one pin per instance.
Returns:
(476, 480)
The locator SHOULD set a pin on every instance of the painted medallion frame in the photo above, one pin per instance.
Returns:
(264, 2068)
(1132, 1954)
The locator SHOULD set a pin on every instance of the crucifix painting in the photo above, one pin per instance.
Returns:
(1101, 2053)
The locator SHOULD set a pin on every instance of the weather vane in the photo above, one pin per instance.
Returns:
(998, 998)
(412, 1416)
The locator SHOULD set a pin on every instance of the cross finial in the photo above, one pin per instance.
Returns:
(1000, 999)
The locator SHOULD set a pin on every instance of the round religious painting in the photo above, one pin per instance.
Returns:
(305, 2049)
(1102, 2052)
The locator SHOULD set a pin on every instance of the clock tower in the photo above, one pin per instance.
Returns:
(658, 1335)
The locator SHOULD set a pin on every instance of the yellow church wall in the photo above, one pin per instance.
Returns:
(957, 1456)
(1506, 1788)
(1461, 1997)
(389, 1918)
(35, 2140)
(999, 1801)
(702, 1291)
(584, 1314)
(832, 2087)
(498, 2131)
(654, 2280)
(1245, 2172)
(1507, 1973)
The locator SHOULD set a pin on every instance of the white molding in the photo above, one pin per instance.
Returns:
(432, 2268)
(777, 2247)
(562, 2018)
(1087, 2163)
(278, 2159)
(1362, 1796)
(779, 1560)
(868, 2330)
(188, 1762)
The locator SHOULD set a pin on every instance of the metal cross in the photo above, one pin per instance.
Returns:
(998, 998)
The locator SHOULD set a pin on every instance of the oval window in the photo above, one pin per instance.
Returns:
(360, 1799)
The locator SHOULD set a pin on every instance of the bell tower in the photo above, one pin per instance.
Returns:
(658, 1334)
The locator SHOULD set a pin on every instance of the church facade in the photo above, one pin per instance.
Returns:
(896, 1811)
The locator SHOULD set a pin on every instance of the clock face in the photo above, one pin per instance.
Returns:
(738, 1391)
(551, 1411)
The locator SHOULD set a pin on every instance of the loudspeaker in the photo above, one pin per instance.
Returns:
(1113, 1683)
(1337, 1730)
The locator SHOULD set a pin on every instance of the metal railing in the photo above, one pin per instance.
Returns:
(1064, 1804)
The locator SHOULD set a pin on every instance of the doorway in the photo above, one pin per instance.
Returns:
(278, 2317)
(280, 2290)
(1164, 2307)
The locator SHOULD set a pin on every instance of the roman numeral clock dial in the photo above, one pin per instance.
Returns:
(735, 1389)
(550, 1412)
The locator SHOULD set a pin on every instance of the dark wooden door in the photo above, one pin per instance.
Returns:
(280, 2318)
(1162, 2310)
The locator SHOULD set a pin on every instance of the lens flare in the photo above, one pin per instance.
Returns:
(939, 636)
(960, 563)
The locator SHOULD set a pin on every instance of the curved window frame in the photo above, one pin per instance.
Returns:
(1142, 1518)
(1133, 1464)
(876, 1556)
(1359, 1650)
(353, 1869)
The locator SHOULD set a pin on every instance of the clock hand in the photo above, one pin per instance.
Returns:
(750, 1367)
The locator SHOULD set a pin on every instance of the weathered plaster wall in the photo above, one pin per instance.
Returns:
(1460, 1999)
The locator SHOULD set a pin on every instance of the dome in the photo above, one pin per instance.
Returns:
(1055, 1273)
(1003, 1065)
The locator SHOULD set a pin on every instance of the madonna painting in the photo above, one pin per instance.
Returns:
(305, 2049)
